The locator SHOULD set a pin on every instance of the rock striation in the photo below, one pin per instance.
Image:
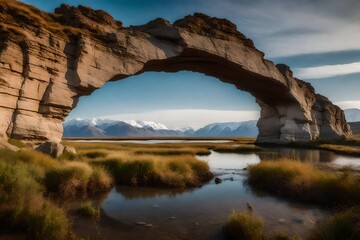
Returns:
(48, 61)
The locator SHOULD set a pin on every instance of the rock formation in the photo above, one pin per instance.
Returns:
(48, 61)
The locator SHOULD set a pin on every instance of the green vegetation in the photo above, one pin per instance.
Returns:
(303, 182)
(245, 226)
(343, 225)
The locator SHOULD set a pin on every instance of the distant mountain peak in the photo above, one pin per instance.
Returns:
(352, 114)
(106, 127)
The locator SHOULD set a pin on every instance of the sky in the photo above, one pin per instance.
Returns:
(318, 39)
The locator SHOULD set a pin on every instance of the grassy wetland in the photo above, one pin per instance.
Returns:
(35, 186)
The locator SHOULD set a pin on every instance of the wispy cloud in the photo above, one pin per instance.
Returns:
(195, 118)
(348, 104)
(287, 28)
(327, 71)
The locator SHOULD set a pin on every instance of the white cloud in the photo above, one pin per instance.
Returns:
(195, 118)
(327, 71)
(348, 104)
(287, 28)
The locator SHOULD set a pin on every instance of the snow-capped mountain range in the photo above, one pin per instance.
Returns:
(106, 127)
(352, 114)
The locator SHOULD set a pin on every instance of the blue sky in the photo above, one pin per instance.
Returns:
(318, 39)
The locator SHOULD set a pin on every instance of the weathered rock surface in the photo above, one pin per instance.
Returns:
(48, 61)
(53, 149)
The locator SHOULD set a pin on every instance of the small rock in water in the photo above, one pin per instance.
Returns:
(281, 220)
(140, 223)
(218, 180)
(244, 169)
(149, 225)
(172, 218)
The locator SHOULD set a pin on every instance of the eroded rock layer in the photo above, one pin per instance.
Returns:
(48, 61)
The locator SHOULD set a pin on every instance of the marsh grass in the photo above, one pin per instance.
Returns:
(341, 149)
(22, 204)
(303, 182)
(166, 164)
(77, 178)
(243, 225)
(343, 225)
(150, 170)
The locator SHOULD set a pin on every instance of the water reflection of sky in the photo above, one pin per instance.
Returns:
(199, 213)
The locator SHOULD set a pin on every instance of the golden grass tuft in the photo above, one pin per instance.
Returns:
(145, 170)
(242, 225)
(74, 178)
(303, 182)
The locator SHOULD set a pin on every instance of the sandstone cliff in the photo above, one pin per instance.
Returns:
(48, 61)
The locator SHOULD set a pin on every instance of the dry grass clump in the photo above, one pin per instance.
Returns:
(18, 14)
(303, 182)
(75, 178)
(242, 225)
(245, 226)
(146, 170)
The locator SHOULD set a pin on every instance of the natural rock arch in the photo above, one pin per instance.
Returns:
(52, 60)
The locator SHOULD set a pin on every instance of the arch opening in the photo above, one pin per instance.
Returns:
(183, 102)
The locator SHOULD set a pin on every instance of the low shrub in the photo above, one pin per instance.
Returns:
(244, 226)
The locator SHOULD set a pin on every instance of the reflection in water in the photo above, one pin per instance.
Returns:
(200, 213)
(129, 193)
